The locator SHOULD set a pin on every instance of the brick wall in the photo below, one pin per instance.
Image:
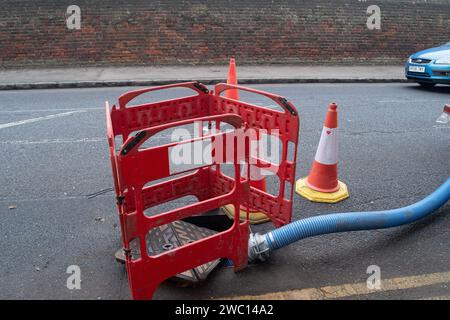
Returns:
(131, 32)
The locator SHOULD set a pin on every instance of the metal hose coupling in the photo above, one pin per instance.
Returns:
(258, 250)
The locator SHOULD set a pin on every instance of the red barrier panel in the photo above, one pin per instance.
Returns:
(146, 176)
(282, 124)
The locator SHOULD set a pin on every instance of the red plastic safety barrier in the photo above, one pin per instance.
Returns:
(135, 166)
(277, 208)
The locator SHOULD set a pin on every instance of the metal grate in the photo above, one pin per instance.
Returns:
(170, 236)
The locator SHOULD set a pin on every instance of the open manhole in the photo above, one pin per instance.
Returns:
(170, 236)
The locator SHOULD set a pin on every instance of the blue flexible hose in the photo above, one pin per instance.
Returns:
(354, 221)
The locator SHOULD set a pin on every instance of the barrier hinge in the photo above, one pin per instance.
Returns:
(201, 87)
(288, 106)
(133, 142)
(120, 199)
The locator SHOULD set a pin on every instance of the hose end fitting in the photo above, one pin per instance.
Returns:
(258, 248)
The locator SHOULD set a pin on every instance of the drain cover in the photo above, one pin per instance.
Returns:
(170, 236)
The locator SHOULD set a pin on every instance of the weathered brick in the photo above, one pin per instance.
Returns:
(131, 32)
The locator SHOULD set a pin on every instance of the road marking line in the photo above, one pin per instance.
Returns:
(352, 289)
(411, 101)
(48, 110)
(81, 140)
(437, 298)
(52, 116)
(51, 141)
(50, 199)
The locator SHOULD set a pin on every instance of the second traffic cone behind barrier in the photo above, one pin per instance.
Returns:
(322, 184)
(256, 179)
(232, 79)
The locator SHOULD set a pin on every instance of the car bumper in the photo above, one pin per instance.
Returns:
(434, 73)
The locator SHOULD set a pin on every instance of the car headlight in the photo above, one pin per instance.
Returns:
(445, 60)
(409, 59)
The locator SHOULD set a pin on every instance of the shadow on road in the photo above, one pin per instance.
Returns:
(436, 89)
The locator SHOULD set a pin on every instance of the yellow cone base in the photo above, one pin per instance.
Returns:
(253, 217)
(302, 189)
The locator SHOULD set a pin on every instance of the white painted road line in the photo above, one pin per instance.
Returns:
(53, 141)
(27, 121)
(49, 110)
(409, 101)
(165, 138)
(437, 298)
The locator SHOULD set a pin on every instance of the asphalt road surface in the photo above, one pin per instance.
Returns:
(54, 152)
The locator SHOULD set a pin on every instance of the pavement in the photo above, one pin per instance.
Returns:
(145, 75)
(54, 153)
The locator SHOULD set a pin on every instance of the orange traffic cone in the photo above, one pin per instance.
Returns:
(257, 180)
(444, 118)
(232, 79)
(322, 184)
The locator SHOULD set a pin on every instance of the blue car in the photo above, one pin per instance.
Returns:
(429, 67)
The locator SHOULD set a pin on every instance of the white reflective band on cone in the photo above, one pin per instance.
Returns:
(327, 149)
